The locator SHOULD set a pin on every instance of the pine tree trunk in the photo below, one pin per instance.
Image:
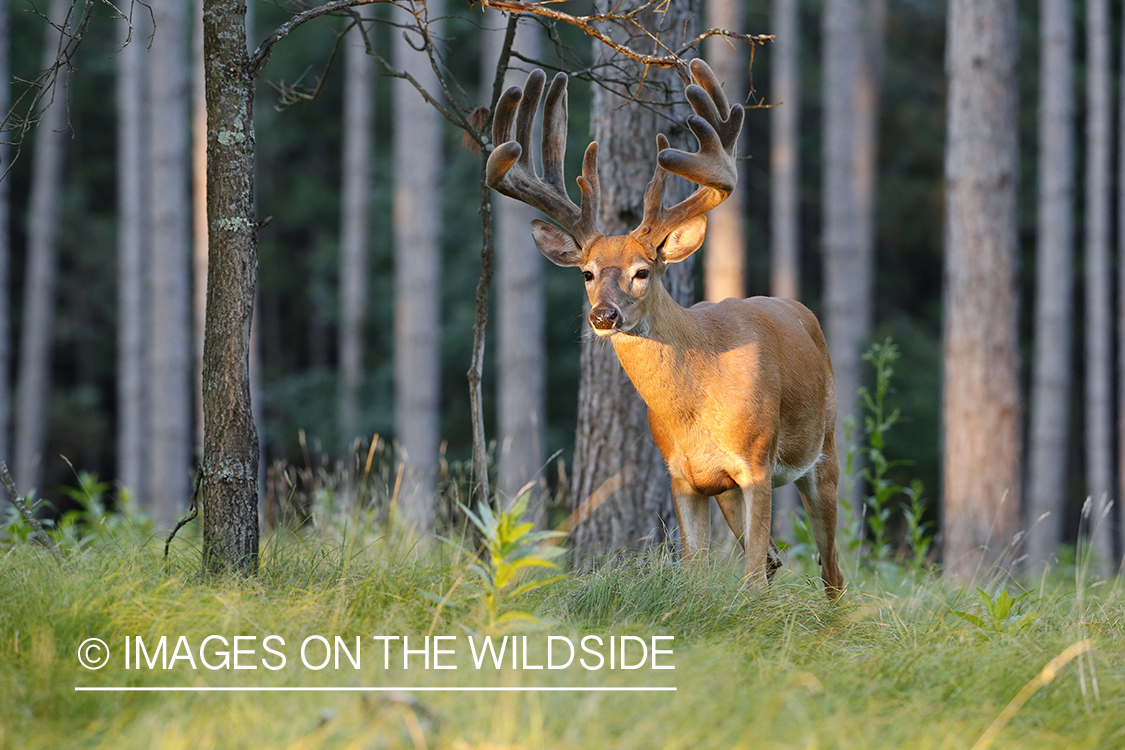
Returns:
(981, 417)
(867, 86)
(5, 251)
(1049, 433)
(132, 266)
(229, 493)
(846, 285)
(359, 119)
(621, 483)
(520, 318)
(724, 256)
(852, 39)
(1099, 298)
(198, 208)
(417, 236)
(36, 337)
(1121, 319)
(785, 195)
(169, 304)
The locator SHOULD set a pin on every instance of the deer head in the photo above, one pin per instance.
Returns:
(621, 272)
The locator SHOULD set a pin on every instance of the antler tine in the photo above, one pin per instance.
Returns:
(716, 125)
(555, 118)
(511, 166)
(525, 117)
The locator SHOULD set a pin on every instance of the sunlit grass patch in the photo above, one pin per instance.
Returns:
(890, 666)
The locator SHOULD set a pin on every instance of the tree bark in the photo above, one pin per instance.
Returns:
(169, 304)
(852, 39)
(5, 248)
(868, 84)
(36, 337)
(132, 266)
(785, 192)
(520, 317)
(785, 195)
(359, 126)
(1049, 433)
(846, 283)
(724, 257)
(198, 208)
(1099, 298)
(417, 236)
(229, 493)
(981, 387)
(621, 484)
(1121, 318)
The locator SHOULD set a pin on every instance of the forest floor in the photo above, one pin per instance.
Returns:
(891, 666)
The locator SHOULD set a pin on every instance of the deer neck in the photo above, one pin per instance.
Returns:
(661, 352)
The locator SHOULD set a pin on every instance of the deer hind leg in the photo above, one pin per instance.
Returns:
(693, 512)
(747, 510)
(818, 492)
(732, 504)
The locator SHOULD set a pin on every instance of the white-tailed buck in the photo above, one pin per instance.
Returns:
(740, 393)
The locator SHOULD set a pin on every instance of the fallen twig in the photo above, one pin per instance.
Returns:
(193, 511)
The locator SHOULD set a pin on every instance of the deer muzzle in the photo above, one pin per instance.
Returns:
(604, 319)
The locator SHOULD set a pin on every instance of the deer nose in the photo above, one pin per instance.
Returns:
(605, 318)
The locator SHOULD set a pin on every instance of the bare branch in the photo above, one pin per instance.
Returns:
(295, 93)
(487, 255)
(193, 511)
(454, 116)
(21, 505)
(589, 25)
(262, 54)
(751, 39)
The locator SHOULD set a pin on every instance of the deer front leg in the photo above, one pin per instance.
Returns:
(694, 516)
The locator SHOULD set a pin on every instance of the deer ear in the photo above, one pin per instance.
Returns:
(559, 247)
(685, 239)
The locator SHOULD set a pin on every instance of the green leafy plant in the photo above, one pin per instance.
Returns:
(883, 491)
(876, 424)
(16, 528)
(999, 615)
(918, 538)
(511, 548)
(851, 527)
(96, 517)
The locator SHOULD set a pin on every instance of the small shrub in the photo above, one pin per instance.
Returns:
(999, 618)
(510, 549)
(879, 504)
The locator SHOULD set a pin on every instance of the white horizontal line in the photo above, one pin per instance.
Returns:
(207, 689)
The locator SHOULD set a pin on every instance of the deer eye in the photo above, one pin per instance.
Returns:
(589, 276)
(642, 273)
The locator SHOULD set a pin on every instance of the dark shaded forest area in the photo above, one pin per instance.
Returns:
(298, 188)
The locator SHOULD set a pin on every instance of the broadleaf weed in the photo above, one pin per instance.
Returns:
(511, 548)
(999, 615)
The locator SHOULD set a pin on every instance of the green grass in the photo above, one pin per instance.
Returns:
(890, 667)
